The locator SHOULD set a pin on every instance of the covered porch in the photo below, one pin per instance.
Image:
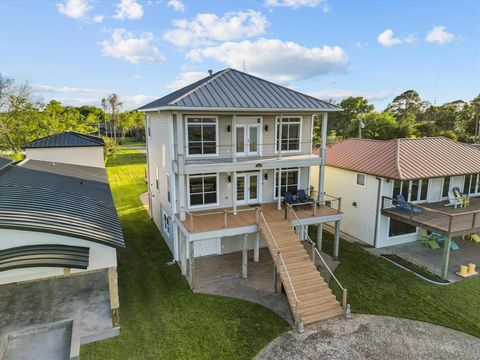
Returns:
(450, 222)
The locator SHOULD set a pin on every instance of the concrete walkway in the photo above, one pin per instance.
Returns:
(373, 337)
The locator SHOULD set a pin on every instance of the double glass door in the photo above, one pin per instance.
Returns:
(248, 188)
(248, 138)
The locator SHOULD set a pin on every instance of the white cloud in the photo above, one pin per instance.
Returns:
(388, 39)
(75, 96)
(339, 94)
(275, 59)
(186, 78)
(295, 4)
(98, 18)
(135, 49)
(129, 9)
(76, 9)
(177, 5)
(439, 35)
(205, 29)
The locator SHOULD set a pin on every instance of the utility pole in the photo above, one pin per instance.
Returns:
(361, 125)
(477, 128)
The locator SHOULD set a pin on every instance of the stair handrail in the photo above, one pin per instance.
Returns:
(344, 290)
(279, 255)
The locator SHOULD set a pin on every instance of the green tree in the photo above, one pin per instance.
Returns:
(352, 108)
(406, 106)
(378, 126)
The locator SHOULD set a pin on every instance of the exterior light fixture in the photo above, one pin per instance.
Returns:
(266, 128)
(229, 128)
(265, 176)
(229, 179)
(354, 204)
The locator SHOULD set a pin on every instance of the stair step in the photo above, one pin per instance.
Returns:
(324, 315)
(319, 309)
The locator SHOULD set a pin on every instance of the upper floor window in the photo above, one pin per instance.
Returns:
(289, 181)
(412, 191)
(203, 190)
(288, 135)
(472, 184)
(446, 186)
(361, 180)
(166, 223)
(202, 135)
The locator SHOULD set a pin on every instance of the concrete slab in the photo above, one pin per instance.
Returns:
(373, 337)
(83, 298)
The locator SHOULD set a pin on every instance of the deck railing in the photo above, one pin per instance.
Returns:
(325, 199)
(315, 253)
(281, 261)
(448, 222)
(225, 212)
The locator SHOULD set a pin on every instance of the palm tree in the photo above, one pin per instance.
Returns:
(105, 107)
(115, 105)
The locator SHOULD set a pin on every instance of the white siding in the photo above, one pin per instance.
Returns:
(101, 256)
(84, 156)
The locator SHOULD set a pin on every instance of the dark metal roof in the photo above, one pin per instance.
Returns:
(4, 162)
(66, 139)
(233, 89)
(44, 256)
(74, 206)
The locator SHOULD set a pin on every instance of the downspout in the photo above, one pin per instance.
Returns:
(377, 214)
(147, 123)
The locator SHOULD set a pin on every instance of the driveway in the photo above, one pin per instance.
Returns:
(373, 337)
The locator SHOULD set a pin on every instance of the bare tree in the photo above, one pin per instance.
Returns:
(115, 105)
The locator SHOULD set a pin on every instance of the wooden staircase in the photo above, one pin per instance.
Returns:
(296, 269)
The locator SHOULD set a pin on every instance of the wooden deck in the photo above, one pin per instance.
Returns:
(439, 218)
(205, 221)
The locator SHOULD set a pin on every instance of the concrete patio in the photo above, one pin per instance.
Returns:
(417, 253)
(33, 309)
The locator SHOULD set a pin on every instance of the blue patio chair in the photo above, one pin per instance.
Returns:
(441, 240)
(303, 197)
(290, 199)
(402, 204)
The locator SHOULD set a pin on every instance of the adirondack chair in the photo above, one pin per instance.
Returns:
(428, 240)
(290, 199)
(454, 200)
(404, 205)
(303, 197)
(441, 240)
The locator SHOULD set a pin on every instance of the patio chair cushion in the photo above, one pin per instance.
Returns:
(303, 197)
(404, 205)
(289, 198)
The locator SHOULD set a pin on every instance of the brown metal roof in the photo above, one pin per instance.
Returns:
(405, 159)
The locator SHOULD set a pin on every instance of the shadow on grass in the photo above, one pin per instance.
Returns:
(126, 157)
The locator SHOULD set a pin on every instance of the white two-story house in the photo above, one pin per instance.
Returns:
(221, 153)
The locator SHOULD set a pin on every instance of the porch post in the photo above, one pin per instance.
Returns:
(191, 264)
(279, 185)
(234, 138)
(446, 257)
(319, 236)
(234, 192)
(323, 153)
(183, 253)
(336, 243)
(256, 248)
(244, 256)
(275, 278)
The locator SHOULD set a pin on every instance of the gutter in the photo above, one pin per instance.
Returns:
(274, 110)
(377, 215)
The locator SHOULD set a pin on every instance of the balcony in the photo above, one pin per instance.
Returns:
(229, 158)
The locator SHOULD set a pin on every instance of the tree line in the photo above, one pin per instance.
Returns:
(406, 116)
(23, 120)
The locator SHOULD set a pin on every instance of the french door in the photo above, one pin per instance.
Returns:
(248, 139)
(248, 188)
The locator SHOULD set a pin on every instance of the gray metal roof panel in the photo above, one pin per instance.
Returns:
(66, 139)
(4, 162)
(239, 90)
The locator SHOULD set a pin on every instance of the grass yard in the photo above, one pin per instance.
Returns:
(376, 286)
(160, 317)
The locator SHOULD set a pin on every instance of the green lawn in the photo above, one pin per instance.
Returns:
(160, 317)
(376, 286)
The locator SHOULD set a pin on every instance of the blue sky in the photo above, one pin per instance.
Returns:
(80, 50)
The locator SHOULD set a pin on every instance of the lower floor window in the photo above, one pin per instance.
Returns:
(203, 189)
(400, 228)
(166, 223)
(289, 181)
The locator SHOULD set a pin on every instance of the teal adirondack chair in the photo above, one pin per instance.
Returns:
(428, 240)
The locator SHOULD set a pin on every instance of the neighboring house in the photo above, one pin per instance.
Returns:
(69, 148)
(58, 220)
(367, 174)
(215, 165)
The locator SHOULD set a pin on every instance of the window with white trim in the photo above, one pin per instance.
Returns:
(290, 180)
(290, 137)
(412, 190)
(168, 188)
(472, 184)
(157, 180)
(361, 180)
(202, 135)
(446, 186)
(203, 190)
(166, 223)
(397, 228)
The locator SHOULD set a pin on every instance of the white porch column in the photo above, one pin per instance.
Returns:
(183, 253)
(256, 247)
(279, 140)
(234, 192)
(323, 152)
(182, 196)
(319, 236)
(180, 155)
(234, 138)
(446, 257)
(279, 184)
(191, 263)
(244, 256)
(336, 242)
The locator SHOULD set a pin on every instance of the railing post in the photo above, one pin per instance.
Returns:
(474, 220)
(190, 216)
(339, 204)
(257, 216)
(344, 299)
(225, 216)
(314, 207)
